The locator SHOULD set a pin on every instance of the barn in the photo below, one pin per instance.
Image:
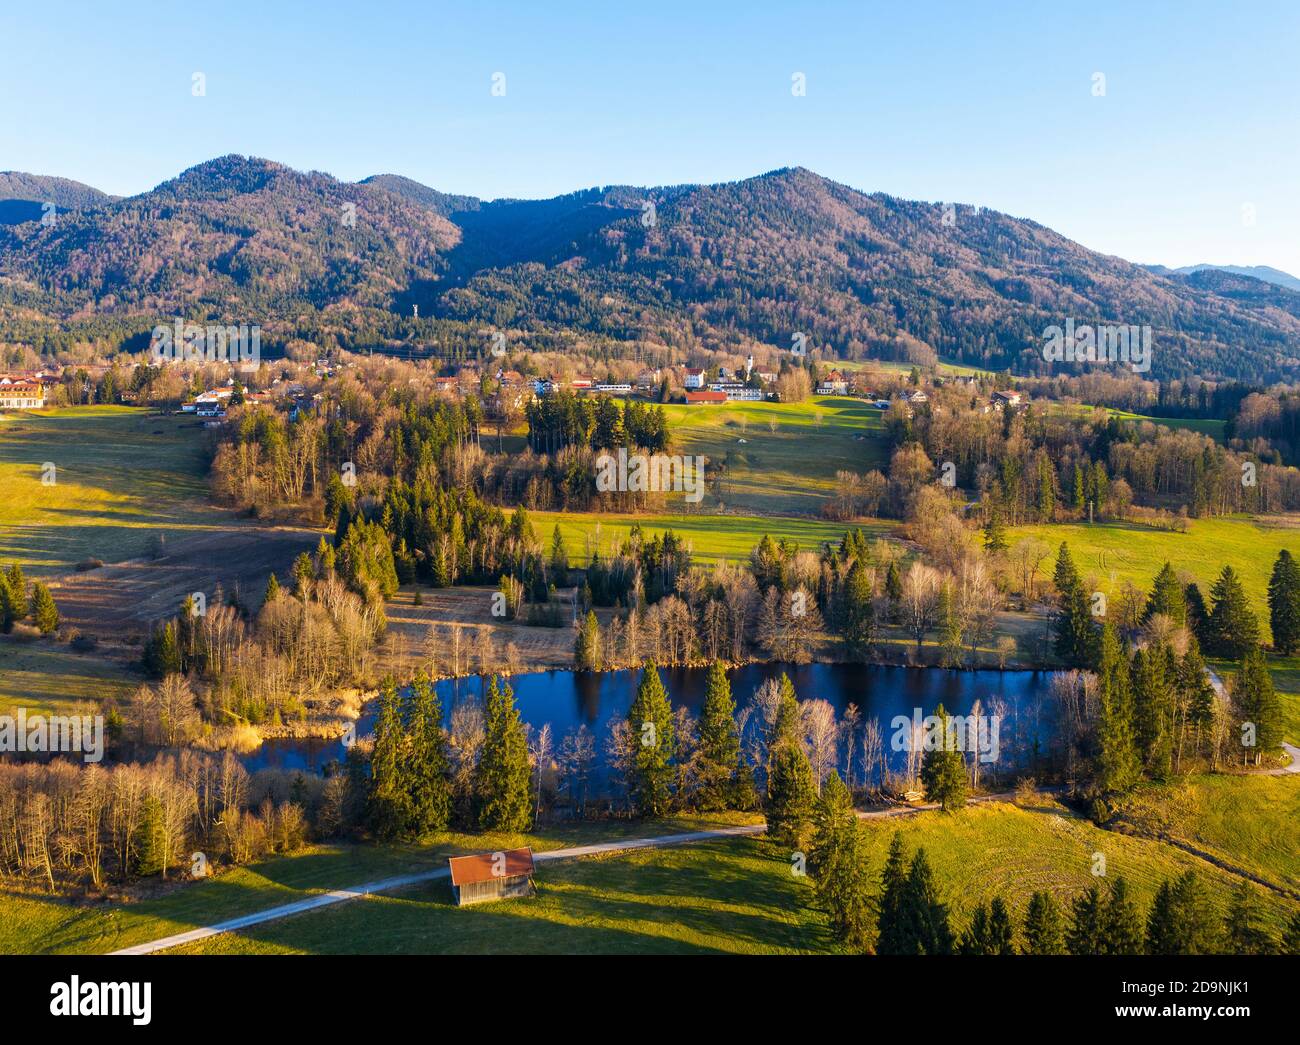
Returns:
(492, 876)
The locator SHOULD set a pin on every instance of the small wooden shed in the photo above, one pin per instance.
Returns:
(492, 876)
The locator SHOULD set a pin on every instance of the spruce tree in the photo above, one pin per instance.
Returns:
(654, 743)
(995, 534)
(427, 768)
(719, 751)
(588, 654)
(1076, 631)
(1182, 919)
(559, 558)
(893, 935)
(1291, 937)
(925, 916)
(1284, 603)
(1245, 934)
(502, 777)
(1118, 767)
(1198, 622)
(943, 767)
(18, 591)
(894, 591)
(272, 589)
(1258, 710)
(837, 863)
(1233, 629)
(790, 795)
(858, 616)
(388, 802)
(1162, 933)
(1044, 932)
(1167, 597)
(1085, 935)
(1153, 711)
(150, 848)
(1121, 923)
(45, 614)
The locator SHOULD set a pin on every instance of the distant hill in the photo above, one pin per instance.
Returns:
(1264, 272)
(860, 275)
(23, 196)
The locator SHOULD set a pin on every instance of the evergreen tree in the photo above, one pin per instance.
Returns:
(1153, 711)
(1076, 631)
(1257, 707)
(1118, 768)
(1044, 932)
(925, 917)
(1291, 937)
(1182, 919)
(943, 767)
(272, 589)
(162, 653)
(1121, 923)
(1233, 629)
(426, 770)
(1167, 597)
(559, 557)
(790, 795)
(1198, 617)
(894, 591)
(389, 807)
(44, 613)
(995, 534)
(1244, 932)
(892, 930)
(837, 862)
(857, 612)
(304, 573)
(150, 839)
(502, 777)
(18, 591)
(719, 751)
(1284, 603)
(650, 724)
(1085, 935)
(990, 930)
(588, 654)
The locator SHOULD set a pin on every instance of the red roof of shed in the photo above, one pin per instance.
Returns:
(483, 867)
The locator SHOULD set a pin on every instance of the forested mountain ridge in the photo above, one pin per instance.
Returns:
(860, 275)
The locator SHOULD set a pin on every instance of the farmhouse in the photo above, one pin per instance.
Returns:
(492, 876)
(1003, 399)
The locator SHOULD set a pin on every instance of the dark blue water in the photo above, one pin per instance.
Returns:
(568, 699)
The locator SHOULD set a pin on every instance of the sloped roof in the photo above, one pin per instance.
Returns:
(483, 867)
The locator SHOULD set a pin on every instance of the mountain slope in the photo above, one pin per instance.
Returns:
(1263, 272)
(247, 238)
(691, 265)
(23, 196)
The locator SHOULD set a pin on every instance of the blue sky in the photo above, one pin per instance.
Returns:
(977, 103)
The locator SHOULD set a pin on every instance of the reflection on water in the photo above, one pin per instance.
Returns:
(567, 699)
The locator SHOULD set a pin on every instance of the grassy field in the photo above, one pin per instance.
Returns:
(1251, 822)
(780, 457)
(1113, 553)
(711, 537)
(738, 895)
(1211, 426)
(47, 677)
(33, 922)
(121, 475)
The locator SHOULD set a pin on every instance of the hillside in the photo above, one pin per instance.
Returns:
(863, 276)
(23, 196)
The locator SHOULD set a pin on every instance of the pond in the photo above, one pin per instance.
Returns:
(568, 699)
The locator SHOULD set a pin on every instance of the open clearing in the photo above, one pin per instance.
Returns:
(779, 457)
(711, 538)
(1113, 553)
(737, 895)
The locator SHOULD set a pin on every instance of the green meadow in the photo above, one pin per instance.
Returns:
(711, 537)
(739, 895)
(120, 475)
(780, 457)
(48, 677)
(1113, 553)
